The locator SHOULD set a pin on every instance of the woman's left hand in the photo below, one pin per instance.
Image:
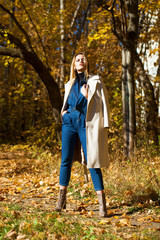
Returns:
(84, 90)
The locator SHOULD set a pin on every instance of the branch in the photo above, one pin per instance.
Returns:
(117, 25)
(102, 4)
(141, 20)
(18, 25)
(123, 16)
(117, 31)
(12, 52)
(145, 81)
(26, 54)
(75, 14)
(79, 32)
(83, 21)
(68, 36)
(35, 30)
(13, 39)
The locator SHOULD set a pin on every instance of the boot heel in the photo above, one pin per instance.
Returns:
(64, 206)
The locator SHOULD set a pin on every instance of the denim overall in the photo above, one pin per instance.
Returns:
(73, 125)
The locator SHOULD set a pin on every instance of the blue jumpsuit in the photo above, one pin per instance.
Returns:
(73, 126)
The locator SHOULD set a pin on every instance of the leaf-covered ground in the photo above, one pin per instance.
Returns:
(29, 191)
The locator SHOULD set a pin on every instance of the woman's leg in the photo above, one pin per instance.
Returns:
(96, 173)
(96, 176)
(69, 137)
(97, 179)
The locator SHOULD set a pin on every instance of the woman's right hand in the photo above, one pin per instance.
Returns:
(84, 90)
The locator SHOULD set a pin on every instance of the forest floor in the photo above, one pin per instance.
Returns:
(29, 191)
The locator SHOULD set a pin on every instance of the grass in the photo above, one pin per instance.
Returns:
(132, 196)
(135, 180)
(31, 223)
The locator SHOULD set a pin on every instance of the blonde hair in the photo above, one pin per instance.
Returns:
(73, 70)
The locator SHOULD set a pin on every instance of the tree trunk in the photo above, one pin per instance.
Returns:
(128, 83)
(128, 100)
(62, 48)
(151, 107)
(6, 106)
(125, 28)
(46, 77)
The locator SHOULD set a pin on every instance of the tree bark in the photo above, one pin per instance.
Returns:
(128, 82)
(46, 77)
(125, 29)
(128, 100)
(151, 106)
(62, 32)
(42, 71)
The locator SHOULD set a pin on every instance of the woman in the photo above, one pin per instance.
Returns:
(84, 118)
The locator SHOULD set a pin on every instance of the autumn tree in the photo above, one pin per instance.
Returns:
(71, 33)
(40, 46)
(24, 48)
(34, 39)
(129, 22)
(148, 40)
(124, 18)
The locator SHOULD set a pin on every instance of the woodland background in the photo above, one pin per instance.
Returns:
(38, 40)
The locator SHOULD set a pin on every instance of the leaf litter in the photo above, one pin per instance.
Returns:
(24, 182)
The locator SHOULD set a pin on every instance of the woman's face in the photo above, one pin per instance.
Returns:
(80, 63)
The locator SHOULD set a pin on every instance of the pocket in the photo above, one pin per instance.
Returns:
(65, 118)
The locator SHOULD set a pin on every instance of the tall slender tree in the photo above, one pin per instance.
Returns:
(124, 17)
(62, 46)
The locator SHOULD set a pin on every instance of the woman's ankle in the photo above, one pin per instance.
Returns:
(63, 187)
(99, 192)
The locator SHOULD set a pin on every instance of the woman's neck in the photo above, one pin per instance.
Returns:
(80, 75)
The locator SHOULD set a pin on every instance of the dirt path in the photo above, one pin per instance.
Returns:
(21, 182)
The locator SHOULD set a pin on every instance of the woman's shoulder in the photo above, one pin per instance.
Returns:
(70, 82)
(94, 78)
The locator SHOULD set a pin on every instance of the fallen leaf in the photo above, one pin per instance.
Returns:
(18, 189)
(21, 237)
(82, 193)
(105, 221)
(11, 234)
(124, 222)
(156, 220)
(145, 219)
(1, 224)
(2, 198)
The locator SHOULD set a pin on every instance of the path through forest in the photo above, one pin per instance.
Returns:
(23, 183)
